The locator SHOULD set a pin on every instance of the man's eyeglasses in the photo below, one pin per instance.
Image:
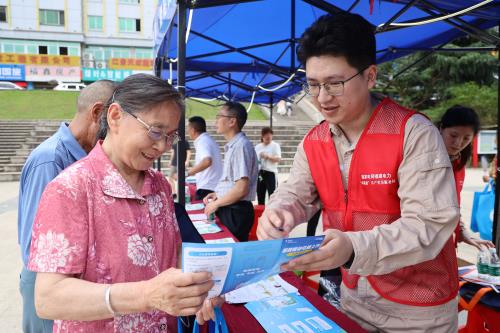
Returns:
(155, 133)
(332, 88)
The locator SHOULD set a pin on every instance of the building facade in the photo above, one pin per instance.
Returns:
(75, 40)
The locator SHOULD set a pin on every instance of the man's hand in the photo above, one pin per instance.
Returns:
(334, 252)
(275, 223)
(211, 204)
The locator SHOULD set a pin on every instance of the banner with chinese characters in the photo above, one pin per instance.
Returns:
(129, 63)
(48, 73)
(40, 59)
(12, 72)
(94, 74)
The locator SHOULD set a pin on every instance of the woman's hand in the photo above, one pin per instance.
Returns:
(207, 312)
(478, 243)
(178, 293)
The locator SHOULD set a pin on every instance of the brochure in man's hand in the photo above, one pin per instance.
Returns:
(239, 264)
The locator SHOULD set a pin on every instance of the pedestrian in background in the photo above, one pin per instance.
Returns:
(208, 161)
(269, 155)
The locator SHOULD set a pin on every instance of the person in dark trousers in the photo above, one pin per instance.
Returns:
(268, 155)
(208, 160)
(232, 200)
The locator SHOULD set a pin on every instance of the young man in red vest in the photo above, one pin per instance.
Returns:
(382, 176)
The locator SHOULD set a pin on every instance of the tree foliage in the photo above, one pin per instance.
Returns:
(441, 79)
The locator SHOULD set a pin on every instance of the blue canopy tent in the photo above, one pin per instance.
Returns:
(244, 50)
(236, 48)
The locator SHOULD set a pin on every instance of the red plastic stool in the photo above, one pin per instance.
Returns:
(480, 318)
(257, 210)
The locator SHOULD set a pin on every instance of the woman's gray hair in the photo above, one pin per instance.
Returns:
(140, 93)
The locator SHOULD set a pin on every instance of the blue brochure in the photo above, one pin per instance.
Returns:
(239, 264)
(291, 313)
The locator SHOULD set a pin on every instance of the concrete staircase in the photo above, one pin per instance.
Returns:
(19, 138)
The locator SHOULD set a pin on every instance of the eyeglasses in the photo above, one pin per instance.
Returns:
(332, 88)
(218, 116)
(155, 133)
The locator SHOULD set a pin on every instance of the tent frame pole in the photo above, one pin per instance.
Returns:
(271, 110)
(181, 86)
(496, 232)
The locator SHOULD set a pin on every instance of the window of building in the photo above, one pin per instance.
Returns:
(143, 54)
(32, 49)
(95, 23)
(63, 50)
(19, 49)
(53, 49)
(3, 13)
(51, 17)
(129, 24)
(8, 48)
(73, 51)
(42, 49)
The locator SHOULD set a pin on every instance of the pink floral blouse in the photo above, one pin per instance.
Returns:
(91, 224)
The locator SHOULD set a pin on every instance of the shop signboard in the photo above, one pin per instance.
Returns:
(40, 59)
(49, 73)
(94, 74)
(11, 72)
(129, 63)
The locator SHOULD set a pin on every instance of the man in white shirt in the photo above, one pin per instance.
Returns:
(208, 161)
(268, 155)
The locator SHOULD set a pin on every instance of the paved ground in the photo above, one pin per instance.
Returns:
(10, 302)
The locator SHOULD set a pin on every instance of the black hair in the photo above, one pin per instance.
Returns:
(459, 115)
(198, 124)
(238, 111)
(139, 93)
(343, 34)
(264, 131)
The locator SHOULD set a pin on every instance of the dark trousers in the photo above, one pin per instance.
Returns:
(238, 218)
(201, 193)
(266, 182)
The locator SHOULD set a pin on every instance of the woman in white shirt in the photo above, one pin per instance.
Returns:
(269, 155)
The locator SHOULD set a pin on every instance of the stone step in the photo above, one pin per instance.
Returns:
(11, 167)
(10, 176)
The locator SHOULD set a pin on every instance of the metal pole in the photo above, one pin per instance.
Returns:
(271, 110)
(496, 233)
(292, 38)
(181, 83)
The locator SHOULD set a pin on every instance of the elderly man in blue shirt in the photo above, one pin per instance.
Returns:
(237, 187)
(69, 144)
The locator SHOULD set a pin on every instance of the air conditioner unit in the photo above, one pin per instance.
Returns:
(88, 56)
(88, 64)
(100, 64)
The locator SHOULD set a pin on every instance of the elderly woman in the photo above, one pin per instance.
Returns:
(105, 239)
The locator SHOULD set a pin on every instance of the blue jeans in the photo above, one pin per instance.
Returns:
(31, 322)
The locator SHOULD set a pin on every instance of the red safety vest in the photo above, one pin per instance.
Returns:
(372, 200)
